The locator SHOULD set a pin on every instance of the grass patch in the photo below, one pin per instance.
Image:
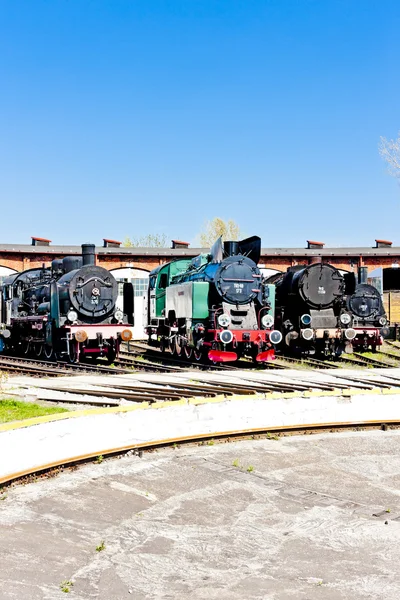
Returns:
(14, 410)
(66, 585)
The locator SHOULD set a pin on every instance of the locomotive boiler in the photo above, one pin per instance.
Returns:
(311, 310)
(67, 310)
(215, 306)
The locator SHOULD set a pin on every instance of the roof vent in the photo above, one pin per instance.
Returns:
(383, 244)
(315, 245)
(111, 243)
(37, 241)
(179, 244)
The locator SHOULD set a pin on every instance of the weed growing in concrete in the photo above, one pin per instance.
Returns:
(3, 496)
(269, 436)
(100, 459)
(236, 463)
(66, 585)
(101, 546)
(250, 469)
(210, 443)
(387, 510)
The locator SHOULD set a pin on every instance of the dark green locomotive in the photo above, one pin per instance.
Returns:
(214, 306)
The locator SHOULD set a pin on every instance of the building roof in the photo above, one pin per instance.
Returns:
(190, 252)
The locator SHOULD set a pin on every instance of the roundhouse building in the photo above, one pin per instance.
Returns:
(381, 260)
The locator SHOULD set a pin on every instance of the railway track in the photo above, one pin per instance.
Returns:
(135, 389)
(141, 357)
(34, 366)
(55, 468)
(154, 356)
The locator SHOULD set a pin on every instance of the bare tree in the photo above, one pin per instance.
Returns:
(229, 230)
(390, 152)
(151, 240)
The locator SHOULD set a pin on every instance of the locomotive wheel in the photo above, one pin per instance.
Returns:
(163, 345)
(37, 349)
(198, 355)
(178, 347)
(73, 354)
(25, 347)
(188, 352)
(111, 355)
(172, 345)
(49, 352)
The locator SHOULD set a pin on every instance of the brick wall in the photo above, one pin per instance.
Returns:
(21, 262)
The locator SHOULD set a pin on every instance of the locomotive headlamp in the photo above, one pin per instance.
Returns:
(5, 333)
(382, 321)
(275, 337)
(126, 335)
(81, 335)
(224, 320)
(72, 316)
(119, 315)
(345, 318)
(350, 334)
(307, 334)
(267, 321)
(305, 320)
(226, 336)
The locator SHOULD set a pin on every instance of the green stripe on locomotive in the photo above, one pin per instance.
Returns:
(271, 298)
(200, 300)
(160, 278)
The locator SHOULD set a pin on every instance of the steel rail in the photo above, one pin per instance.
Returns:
(198, 438)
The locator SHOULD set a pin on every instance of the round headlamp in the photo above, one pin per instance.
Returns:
(382, 321)
(72, 316)
(345, 318)
(307, 334)
(224, 320)
(275, 337)
(267, 321)
(226, 336)
(6, 333)
(305, 320)
(119, 315)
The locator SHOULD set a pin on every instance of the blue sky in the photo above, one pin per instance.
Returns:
(128, 117)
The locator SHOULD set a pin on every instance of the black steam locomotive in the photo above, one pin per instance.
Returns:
(311, 310)
(368, 314)
(65, 311)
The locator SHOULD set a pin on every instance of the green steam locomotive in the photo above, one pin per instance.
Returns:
(215, 307)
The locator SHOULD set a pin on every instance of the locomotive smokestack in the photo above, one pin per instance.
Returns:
(231, 248)
(315, 260)
(362, 274)
(88, 254)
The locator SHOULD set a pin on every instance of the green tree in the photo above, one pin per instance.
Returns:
(229, 230)
(390, 152)
(151, 240)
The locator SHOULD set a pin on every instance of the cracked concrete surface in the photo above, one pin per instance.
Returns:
(295, 520)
